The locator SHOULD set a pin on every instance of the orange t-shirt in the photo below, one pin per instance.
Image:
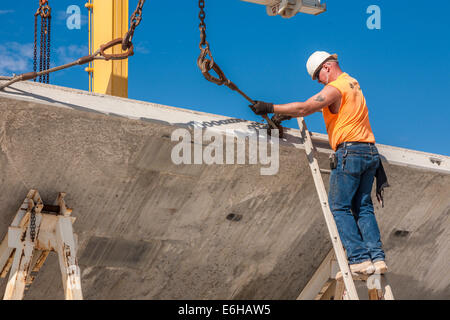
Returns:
(351, 123)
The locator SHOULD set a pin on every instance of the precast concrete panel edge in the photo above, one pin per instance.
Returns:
(152, 112)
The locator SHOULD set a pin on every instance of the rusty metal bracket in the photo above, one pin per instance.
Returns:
(52, 233)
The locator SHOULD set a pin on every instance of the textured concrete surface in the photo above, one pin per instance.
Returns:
(149, 229)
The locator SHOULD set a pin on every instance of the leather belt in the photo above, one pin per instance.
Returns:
(351, 143)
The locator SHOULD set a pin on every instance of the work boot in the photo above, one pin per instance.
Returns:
(380, 267)
(363, 268)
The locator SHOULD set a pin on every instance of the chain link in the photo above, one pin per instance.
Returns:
(97, 55)
(48, 47)
(203, 63)
(135, 20)
(33, 224)
(44, 48)
(206, 65)
(44, 11)
(35, 45)
(40, 48)
(202, 25)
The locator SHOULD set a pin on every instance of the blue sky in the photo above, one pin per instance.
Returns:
(402, 68)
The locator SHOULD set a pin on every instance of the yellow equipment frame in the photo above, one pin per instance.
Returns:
(108, 20)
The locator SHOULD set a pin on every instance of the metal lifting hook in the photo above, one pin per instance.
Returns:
(206, 65)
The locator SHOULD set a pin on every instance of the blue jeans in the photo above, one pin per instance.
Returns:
(351, 203)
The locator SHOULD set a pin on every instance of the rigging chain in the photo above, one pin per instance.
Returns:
(35, 45)
(206, 65)
(98, 55)
(126, 42)
(135, 20)
(48, 46)
(44, 11)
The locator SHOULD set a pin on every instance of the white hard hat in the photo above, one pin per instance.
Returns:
(316, 60)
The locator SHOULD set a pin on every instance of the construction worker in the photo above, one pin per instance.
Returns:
(356, 158)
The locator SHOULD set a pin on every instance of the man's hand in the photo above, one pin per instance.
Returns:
(278, 118)
(261, 108)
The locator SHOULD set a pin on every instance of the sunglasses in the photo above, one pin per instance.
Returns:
(316, 75)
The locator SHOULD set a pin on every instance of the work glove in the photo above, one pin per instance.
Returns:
(278, 118)
(261, 108)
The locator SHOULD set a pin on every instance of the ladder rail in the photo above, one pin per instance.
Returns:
(329, 219)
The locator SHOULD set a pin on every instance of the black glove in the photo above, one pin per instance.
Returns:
(278, 118)
(261, 108)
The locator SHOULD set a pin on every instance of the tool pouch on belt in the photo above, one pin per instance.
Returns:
(333, 161)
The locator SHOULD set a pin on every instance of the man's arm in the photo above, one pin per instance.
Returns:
(324, 98)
